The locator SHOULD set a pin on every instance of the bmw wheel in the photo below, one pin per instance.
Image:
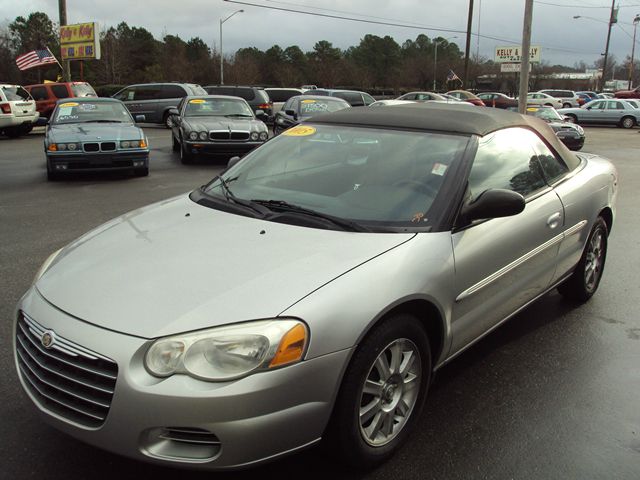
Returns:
(584, 281)
(382, 393)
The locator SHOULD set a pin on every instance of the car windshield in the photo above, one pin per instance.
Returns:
(544, 113)
(14, 94)
(310, 106)
(85, 112)
(217, 107)
(83, 90)
(370, 176)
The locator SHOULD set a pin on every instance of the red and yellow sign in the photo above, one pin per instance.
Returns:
(80, 41)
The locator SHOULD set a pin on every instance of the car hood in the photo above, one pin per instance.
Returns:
(88, 132)
(558, 125)
(204, 124)
(177, 266)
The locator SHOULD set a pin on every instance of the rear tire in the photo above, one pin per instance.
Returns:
(584, 281)
(382, 393)
(566, 105)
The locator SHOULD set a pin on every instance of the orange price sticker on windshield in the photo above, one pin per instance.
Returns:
(308, 101)
(532, 109)
(300, 131)
(69, 104)
(197, 100)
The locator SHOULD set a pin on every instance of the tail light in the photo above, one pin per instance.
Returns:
(5, 107)
(264, 106)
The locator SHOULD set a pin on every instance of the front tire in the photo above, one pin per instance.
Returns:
(382, 393)
(168, 123)
(186, 157)
(627, 122)
(584, 281)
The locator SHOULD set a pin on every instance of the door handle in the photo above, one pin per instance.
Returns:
(554, 220)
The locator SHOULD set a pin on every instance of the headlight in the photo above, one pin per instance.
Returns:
(264, 136)
(62, 146)
(125, 144)
(580, 129)
(193, 136)
(45, 266)
(255, 136)
(203, 135)
(72, 146)
(229, 352)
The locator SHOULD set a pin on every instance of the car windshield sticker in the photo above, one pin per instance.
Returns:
(439, 169)
(64, 112)
(532, 109)
(69, 104)
(300, 131)
(417, 217)
(88, 106)
(197, 100)
(308, 101)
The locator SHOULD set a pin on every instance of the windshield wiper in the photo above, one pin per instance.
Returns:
(230, 197)
(101, 121)
(281, 205)
(243, 115)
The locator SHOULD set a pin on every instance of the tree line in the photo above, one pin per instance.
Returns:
(132, 54)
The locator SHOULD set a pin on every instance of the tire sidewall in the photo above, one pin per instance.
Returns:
(344, 432)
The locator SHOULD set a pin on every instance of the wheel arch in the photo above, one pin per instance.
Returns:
(607, 214)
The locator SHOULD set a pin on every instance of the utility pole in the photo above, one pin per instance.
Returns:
(468, 45)
(524, 56)
(66, 66)
(612, 20)
(636, 20)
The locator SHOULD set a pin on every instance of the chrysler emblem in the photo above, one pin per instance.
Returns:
(47, 339)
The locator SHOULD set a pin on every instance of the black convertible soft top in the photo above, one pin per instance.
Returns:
(447, 118)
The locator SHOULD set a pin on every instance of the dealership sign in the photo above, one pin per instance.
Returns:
(80, 41)
(511, 67)
(511, 54)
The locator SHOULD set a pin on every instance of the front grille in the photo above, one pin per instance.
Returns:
(91, 147)
(108, 146)
(66, 378)
(229, 135)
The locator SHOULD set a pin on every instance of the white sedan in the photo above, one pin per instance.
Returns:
(539, 98)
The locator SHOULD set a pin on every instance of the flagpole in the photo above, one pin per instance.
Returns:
(54, 57)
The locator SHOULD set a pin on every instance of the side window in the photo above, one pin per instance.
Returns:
(287, 105)
(39, 93)
(553, 167)
(295, 105)
(354, 98)
(172, 91)
(506, 159)
(615, 105)
(146, 92)
(412, 96)
(368, 99)
(246, 93)
(597, 105)
(59, 91)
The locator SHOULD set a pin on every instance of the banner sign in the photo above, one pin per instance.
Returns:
(80, 41)
(511, 54)
(511, 67)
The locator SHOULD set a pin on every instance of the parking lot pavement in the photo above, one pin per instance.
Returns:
(551, 394)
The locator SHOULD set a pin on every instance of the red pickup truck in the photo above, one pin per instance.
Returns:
(635, 93)
(47, 94)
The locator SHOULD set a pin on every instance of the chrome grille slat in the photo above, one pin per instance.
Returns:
(83, 382)
(59, 387)
(71, 381)
(68, 362)
(49, 397)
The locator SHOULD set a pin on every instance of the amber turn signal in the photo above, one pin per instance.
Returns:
(291, 347)
(143, 144)
(52, 147)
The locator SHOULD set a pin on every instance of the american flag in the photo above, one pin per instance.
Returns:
(35, 59)
(451, 76)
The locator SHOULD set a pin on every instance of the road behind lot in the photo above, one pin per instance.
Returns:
(553, 394)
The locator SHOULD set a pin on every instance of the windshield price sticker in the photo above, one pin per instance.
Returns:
(197, 100)
(439, 169)
(69, 104)
(88, 106)
(532, 109)
(308, 101)
(300, 131)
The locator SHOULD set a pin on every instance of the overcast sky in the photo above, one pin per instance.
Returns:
(563, 39)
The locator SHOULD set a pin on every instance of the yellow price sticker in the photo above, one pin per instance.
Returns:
(299, 131)
(69, 104)
(308, 101)
(532, 109)
(197, 100)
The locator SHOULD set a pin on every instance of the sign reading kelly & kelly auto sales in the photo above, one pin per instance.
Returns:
(80, 41)
(512, 53)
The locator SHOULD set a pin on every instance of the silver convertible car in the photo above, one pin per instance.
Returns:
(312, 289)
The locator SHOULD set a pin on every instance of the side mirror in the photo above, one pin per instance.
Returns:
(140, 118)
(589, 107)
(291, 113)
(493, 203)
(261, 115)
(173, 111)
(232, 161)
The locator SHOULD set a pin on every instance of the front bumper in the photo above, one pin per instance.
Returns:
(96, 162)
(221, 148)
(255, 419)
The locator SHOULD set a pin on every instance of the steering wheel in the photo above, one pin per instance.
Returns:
(416, 185)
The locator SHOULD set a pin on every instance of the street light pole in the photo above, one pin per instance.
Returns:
(636, 20)
(435, 58)
(221, 55)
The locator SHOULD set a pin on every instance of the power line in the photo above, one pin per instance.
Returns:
(401, 25)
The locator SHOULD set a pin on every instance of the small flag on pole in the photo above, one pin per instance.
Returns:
(35, 58)
(451, 76)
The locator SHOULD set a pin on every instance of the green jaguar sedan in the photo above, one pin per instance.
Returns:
(94, 134)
